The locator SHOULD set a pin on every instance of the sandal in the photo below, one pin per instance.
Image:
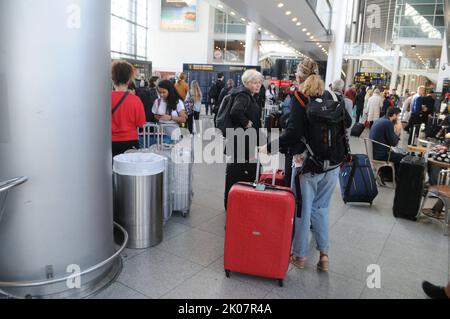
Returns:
(298, 262)
(324, 263)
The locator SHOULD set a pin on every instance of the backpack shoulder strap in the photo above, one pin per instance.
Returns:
(120, 102)
(299, 99)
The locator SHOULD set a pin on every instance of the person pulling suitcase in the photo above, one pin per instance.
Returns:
(322, 155)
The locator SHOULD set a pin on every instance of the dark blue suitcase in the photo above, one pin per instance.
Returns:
(358, 184)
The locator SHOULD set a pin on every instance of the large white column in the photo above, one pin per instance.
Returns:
(252, 45)
(55, 107)
(396, 67)
(355, 26)
(336, 50)
(444, 68)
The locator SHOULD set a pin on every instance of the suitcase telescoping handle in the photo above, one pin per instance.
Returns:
(258, 170)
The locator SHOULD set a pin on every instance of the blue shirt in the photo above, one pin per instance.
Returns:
(416, 104)
(383, 132)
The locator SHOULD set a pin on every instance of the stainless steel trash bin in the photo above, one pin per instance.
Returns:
(138, 197)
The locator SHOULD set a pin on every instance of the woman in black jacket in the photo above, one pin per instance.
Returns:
(246, 119)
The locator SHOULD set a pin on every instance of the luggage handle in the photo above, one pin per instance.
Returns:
(258, 171)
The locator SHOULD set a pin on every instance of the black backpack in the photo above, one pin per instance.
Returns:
(223, 120)
(326, 139)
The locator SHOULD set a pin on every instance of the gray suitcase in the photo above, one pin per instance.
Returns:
(182, 157)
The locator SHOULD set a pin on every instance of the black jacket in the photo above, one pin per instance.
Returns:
(148, 98)
(244, 109)
(225, 92)
(297, 128)
(359, 100)
(218, 87)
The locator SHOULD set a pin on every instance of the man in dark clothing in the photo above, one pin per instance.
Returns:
(359, 103)
(214, 94)
(387, 131)
(226, 90)
(261, 99)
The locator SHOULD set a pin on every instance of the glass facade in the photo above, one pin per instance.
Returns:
(419, 19)
(229, 51)
(323, 10)
(129, 29)
(229, 48)
(225, 23)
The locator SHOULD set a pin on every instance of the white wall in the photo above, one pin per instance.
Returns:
(169, 50)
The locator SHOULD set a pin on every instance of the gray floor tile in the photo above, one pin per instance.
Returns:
(383, 294)
(197, 216)
(211, 200)
(197, 246)
(210, 285)
(326, 285)
(173, 229)
(407, 278)
(345, 234)
(429, 234)
(416, 255)
(349, 262)
(261, 283)
(370, 218)
(119, 291)
(156, 272)
(215, 226)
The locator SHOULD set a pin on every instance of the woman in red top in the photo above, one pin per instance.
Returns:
(127, 110)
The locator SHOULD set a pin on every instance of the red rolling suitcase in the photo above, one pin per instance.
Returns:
(276, 178)
(259, 230)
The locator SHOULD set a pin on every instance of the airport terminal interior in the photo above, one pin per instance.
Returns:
(118, 118)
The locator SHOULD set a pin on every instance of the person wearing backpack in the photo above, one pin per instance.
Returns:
(317, 133)
(240, 110)
(214, 94)
(127, 110)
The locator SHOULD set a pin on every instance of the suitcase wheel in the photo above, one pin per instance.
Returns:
(228, 273)
(185, 214)
(281, 283)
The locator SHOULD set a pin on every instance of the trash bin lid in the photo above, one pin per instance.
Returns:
(139, 164)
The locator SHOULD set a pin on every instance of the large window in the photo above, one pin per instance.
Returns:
(419, 19)
(229, 51)
(225, 23)
(129, 29)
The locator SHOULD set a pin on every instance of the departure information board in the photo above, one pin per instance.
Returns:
(206, 74)
(369, 79)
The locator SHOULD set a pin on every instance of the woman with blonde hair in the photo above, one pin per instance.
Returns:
(194, 98)
(374, 105)
(317, 182)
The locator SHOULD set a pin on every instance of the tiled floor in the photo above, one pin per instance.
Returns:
(189, 263)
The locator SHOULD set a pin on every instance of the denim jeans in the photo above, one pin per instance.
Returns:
(317, 191)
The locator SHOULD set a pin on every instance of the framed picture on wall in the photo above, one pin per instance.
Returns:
(177, 15)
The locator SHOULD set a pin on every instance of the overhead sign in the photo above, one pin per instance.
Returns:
(179, 15)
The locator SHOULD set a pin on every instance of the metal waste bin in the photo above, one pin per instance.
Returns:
(138, 197)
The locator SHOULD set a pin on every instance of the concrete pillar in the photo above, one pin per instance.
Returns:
(55, 114)
(252, 45)
(354, 31)
(396, 67)
(336, 50)
(444, 68)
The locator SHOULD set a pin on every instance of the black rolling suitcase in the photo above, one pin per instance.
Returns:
(357, 130)
(410, 186)
(433, 128)
(236, 173)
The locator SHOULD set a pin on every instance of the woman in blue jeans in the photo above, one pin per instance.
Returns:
(317, 183)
